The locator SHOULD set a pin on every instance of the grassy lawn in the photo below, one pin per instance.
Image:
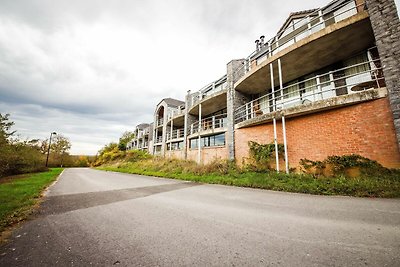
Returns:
(384, 186)
(19, 194)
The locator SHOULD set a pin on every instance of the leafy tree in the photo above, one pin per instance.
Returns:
(5, 128)
(124, 139)
(17, 156)
(60, 146)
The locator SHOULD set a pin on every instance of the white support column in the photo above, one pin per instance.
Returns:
(283, 117)
(271, 68)
(321, 18)
(331, 78)
(199, 140)
(285, 144)
(319, 87)
(269, 48)
(276, 146)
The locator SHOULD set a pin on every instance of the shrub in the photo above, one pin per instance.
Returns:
(261, 155)
(341, 164)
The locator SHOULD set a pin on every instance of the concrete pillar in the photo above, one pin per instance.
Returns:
(235, 70)
(386, 26)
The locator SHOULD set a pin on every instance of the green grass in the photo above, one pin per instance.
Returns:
(383, 186)
(19, 194)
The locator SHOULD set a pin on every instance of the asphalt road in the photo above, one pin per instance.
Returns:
(92, 217)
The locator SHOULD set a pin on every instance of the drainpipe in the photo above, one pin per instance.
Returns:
(283, 118)
(199, 142)
(271, 67)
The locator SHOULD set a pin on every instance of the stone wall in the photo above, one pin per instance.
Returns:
(386, 26)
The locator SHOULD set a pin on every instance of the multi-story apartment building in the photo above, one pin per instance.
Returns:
(168, 125)
(143, 139)
(326, 84)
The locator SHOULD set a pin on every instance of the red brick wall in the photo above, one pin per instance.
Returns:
(366, 129)
(176, 154)
(208, 154)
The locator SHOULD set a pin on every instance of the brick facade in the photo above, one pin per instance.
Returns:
(366, 129)
(208, 154)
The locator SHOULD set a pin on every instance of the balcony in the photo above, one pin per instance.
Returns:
(176, 134)
(217, 122)
(349, 80)
(312, 23)
(332, 33)
(203, 94)
(175, 113)
(160, 122)
(159, 139)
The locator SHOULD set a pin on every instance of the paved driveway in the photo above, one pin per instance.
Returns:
(92, 217)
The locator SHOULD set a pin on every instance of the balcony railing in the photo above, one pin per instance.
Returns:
(160, 121)
(213, 90)
(175, 113)
(159, 139)
(348, 80)
(210, 123)
(178, 133)
(299, 30)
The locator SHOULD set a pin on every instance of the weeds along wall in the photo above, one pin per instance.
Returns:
(366, 129)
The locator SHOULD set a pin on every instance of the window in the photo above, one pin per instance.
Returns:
(208, 141)
(310, 85)
(360, 68)
(193, 143)
(291, 90)
(219, 140)
(175, 146)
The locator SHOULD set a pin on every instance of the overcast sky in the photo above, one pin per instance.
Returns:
(92, 69)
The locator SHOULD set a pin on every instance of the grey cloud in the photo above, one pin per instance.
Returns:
(95, 68)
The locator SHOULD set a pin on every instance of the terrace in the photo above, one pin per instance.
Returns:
(211, 124)
(362, 76)
(175, 134)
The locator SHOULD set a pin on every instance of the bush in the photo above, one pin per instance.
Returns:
(261, 156)
(339, 165)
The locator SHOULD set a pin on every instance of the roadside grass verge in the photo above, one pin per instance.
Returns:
(19, 194)
(387, 185)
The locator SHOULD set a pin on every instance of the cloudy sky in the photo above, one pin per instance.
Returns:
(92, 69)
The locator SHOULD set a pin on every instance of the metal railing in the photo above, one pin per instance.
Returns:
(210, 123)
(310, 24)
(178, 133)
(202, 95)
(343, 81)
(160, 121)
(175, 113)
(159, 139)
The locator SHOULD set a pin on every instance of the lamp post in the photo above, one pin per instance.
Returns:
(48, 149)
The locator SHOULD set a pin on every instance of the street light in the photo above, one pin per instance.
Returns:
(48, 149)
